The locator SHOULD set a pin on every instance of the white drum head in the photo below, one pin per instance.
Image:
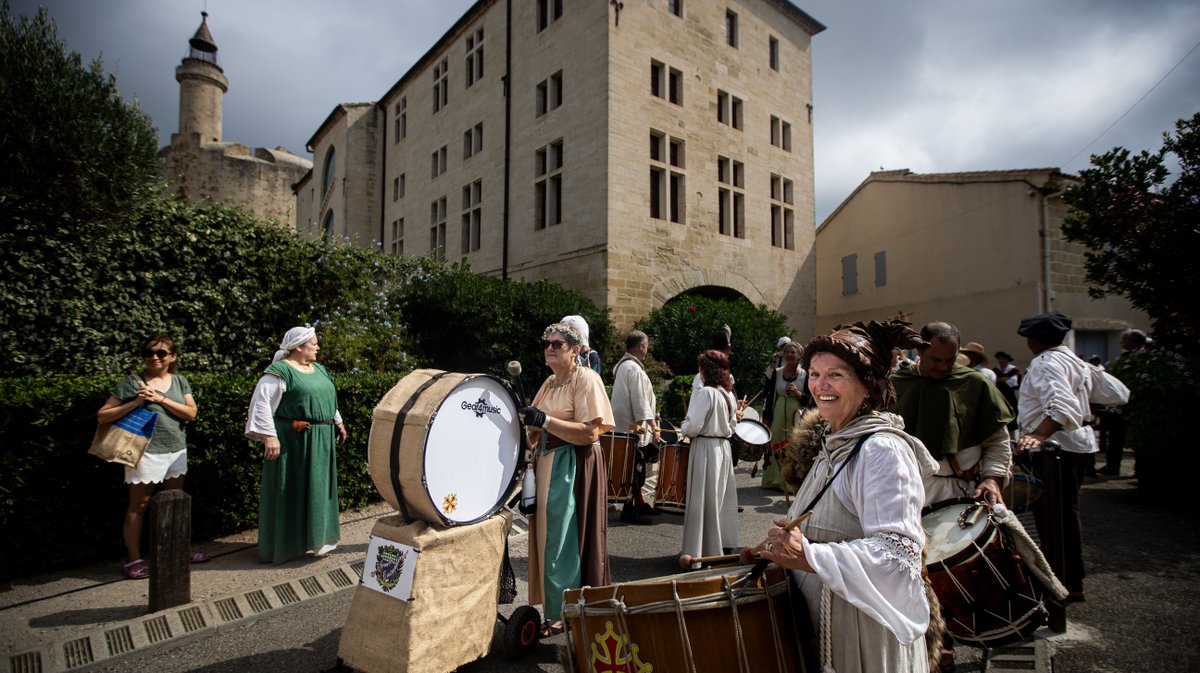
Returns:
(752, 431)
(945, 537)
(751, 413)
(472, 450)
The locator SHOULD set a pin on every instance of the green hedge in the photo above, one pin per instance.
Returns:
(60, 507)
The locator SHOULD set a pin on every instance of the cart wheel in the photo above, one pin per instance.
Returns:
(521, 632)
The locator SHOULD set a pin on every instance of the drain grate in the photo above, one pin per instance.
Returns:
(340, 579)
(29, 662)
(119, 641)
(258, 601)
(192, 618)
(228, 610)
(157, 629)
(78, 652)
(311, 586)
(286, 594)
(357, 567)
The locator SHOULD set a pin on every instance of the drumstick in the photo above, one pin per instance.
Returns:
(752, 398)
(686, 561)
(748, 556)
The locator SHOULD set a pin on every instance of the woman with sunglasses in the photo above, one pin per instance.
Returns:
(568, 541)
(164, 463)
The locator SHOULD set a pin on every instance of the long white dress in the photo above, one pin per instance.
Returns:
(867, 597)
(710, 520)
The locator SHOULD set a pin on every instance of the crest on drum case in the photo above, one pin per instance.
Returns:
(389, 566)
(612, 653)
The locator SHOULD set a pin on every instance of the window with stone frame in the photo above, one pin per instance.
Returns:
(547, 186)
(437, 228)
(731, 28)
(400, 123)
(396, 244)
(472, 215)
(548, 11)
(474, 60)
(773, 52)
(437, 162)
(473, 141)
(441, 84)
(783, 213)
(729, 109)
(668, 180)
(731, 197)
(549, 94)
(781, 134)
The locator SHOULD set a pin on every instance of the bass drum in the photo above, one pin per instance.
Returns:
(446, 448)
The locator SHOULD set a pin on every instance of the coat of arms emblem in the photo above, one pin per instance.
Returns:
(389, 564)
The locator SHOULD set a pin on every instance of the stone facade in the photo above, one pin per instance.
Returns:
(966, 248)
(609, 110)
(341, 187)
(198, 167)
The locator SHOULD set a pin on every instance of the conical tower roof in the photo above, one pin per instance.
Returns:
(203, 39)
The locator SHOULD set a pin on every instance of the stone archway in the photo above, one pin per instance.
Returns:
(670, 286)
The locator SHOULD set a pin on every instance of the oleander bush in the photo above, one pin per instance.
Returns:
(61, 507)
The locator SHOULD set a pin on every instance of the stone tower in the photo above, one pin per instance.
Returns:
(202, 86)
(199, 167)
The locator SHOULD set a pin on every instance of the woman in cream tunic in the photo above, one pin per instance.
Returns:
(568, 542)
(857, 559)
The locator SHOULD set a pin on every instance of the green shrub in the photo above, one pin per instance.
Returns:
(683, 327)
(72, 504)
(1162, 384)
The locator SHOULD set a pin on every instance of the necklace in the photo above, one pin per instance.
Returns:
(554, 384)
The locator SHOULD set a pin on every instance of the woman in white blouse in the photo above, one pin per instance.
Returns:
(858, 558)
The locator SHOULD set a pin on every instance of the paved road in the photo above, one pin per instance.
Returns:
(1143, 590)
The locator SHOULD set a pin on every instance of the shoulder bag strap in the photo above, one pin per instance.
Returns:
(853, 453)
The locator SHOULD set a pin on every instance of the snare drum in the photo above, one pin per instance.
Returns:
(1022, 490)
(687, 622)
(987, 596)
(445, 447)
(620, 449)
(670, 493)
(750, 440)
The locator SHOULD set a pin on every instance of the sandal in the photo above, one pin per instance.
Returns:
(550, 630)
(199, 557)
(136, 569)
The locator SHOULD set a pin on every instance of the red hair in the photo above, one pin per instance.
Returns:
(714, 369)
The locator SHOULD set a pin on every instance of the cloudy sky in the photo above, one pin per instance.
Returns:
(933, 86)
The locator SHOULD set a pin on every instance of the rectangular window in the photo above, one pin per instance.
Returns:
(549, 94)
(396, 188)
(473, 141)
(438, 162)
(850, 274)
(731, 28)
(441, 85)
(549, 11)
(729, 109)
(437, 228)
(783, 216)
(773, 53)
(781, 133)
(397, 243)
(668, 184)
(400, 124)
(731, 200)
(472, 215)
(675, 7)
(474, 60)
(656, 79)
(881, 268)
(675, 86)
(547, 185)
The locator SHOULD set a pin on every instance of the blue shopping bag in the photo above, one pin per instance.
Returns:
(125, 440)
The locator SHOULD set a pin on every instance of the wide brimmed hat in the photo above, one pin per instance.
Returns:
(975, 348)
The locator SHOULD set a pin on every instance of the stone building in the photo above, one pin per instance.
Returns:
(199, 167)
(632, 151)
(981, 250)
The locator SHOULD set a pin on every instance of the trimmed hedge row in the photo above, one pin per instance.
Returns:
(61, 507)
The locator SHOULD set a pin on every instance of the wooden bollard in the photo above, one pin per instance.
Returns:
(169, 523)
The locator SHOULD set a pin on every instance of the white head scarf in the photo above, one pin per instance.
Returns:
(580, 326)
(295, 338)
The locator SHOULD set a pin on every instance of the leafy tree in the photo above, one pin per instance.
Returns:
(683, 327)
(1142, 233)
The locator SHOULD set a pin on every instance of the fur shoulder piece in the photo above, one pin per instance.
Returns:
(804, 443)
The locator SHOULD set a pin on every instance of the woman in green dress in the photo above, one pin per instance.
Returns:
(294, 413)
(785, 396)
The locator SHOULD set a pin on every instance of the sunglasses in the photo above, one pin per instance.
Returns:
(553, 344)
(160, 353)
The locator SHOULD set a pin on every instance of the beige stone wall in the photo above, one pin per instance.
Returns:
(607, 246)
(966, 249)
(259, 181)
(202, 88)
(353, 196)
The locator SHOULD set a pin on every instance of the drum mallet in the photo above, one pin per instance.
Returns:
(514, 374)
(749, 556)
(686, 561)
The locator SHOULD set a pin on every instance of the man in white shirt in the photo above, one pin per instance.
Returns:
(633, 404)
(1053, 404)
